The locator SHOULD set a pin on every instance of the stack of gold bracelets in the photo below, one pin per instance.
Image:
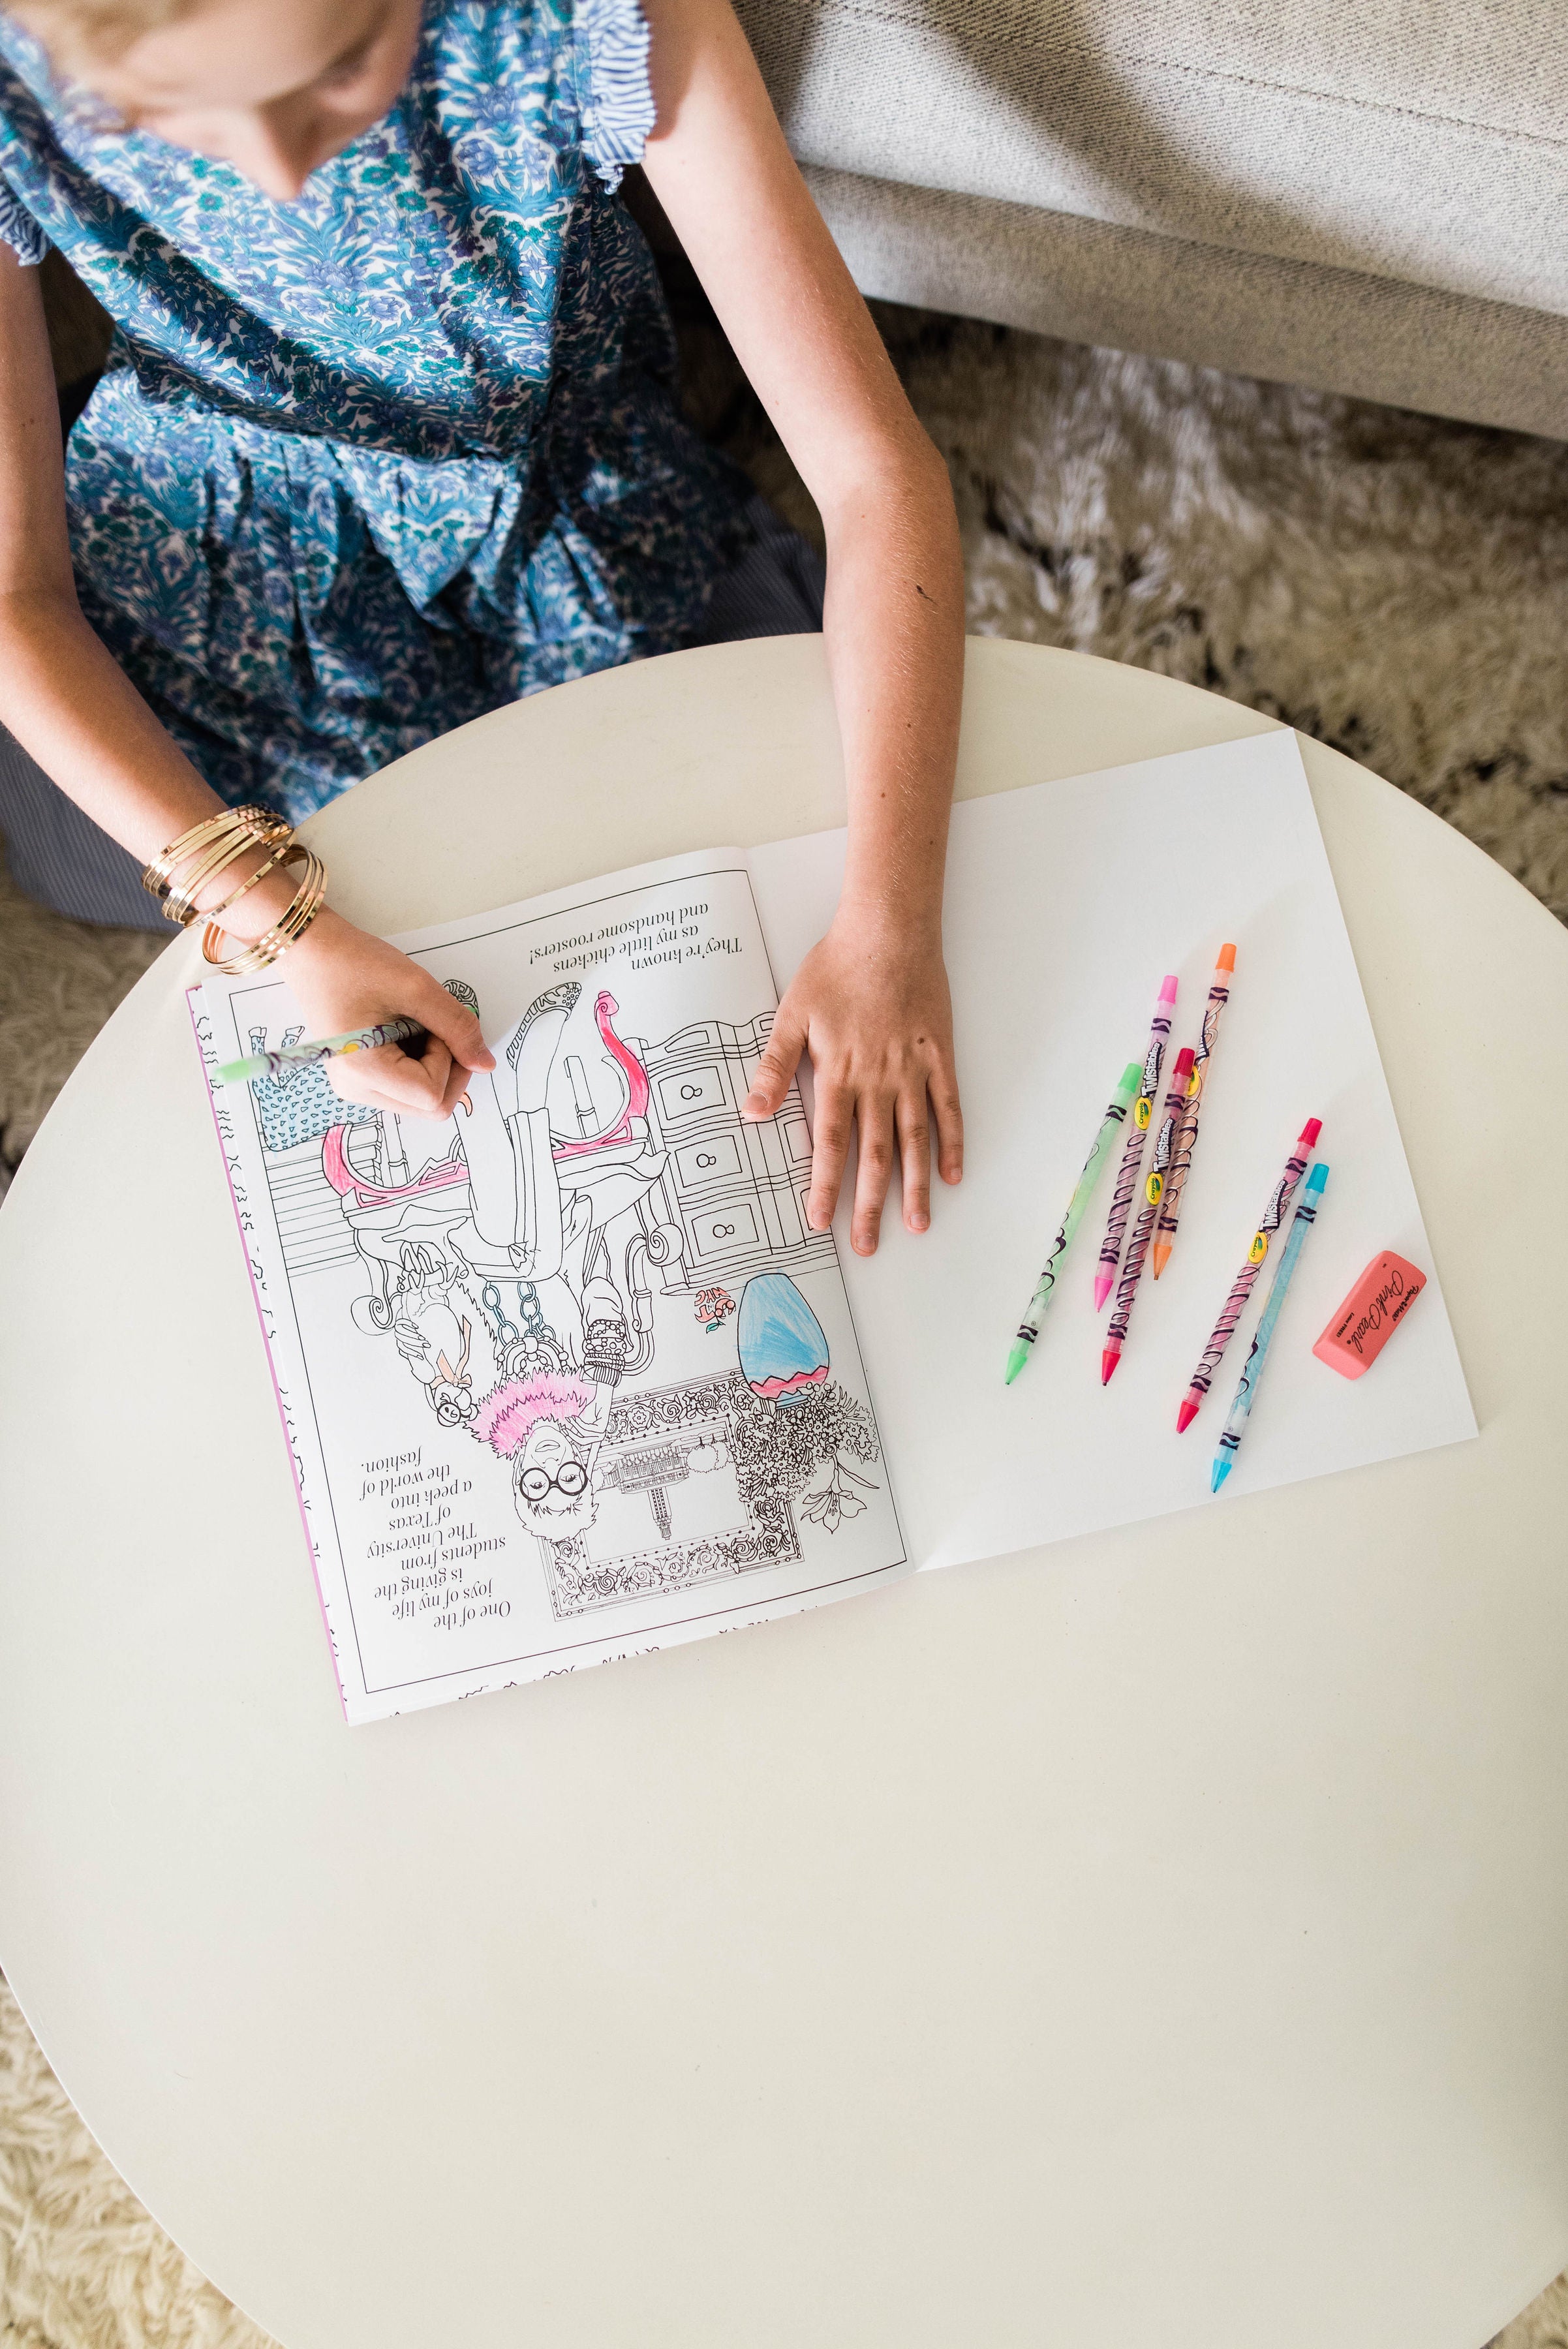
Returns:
(211, 847)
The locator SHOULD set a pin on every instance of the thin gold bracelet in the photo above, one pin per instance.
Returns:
(181, 905)
(285, 932)
(207, 848)
(156, 877)
(270, 865)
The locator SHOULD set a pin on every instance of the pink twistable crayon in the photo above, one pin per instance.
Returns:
(1143, 1230)
(1235, 1305)
(1186, 1137)
(1132, 1149)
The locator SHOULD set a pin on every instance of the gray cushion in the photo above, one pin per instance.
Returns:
(1416, 139)
(1289, 320)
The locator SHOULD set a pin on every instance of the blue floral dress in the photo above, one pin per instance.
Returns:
(367, 464)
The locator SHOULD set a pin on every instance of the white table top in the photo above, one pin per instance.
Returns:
(1163, 1936)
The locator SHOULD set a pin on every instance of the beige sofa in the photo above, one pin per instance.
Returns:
(1369, 196)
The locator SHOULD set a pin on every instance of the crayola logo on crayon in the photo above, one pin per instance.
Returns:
(1142, 1112)
(1153, 1190)
(1259, 1249)
(1195, 1083)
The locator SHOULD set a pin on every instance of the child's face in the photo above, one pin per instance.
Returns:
(272, 87)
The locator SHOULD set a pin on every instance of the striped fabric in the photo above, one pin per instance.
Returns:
(58, 856)
(618, 116)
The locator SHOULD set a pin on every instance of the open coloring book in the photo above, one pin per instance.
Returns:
(567, 1376)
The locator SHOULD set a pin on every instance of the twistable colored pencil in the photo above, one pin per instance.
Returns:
(1246, 1394)
(1094, 1166)
(283, 1057)
(1143, 1230)
(1186, 1137)
(1235, 1304)
(1132, 1149)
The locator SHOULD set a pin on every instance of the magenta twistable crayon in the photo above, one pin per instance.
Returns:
(1235, 1305)
(1143, 1230)
(1132, 1149)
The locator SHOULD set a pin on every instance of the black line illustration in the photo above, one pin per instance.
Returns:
(517, 1272)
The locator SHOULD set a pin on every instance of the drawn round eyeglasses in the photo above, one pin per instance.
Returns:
(571, 1479)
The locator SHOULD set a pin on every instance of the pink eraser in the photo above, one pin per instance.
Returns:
(1370, 1315)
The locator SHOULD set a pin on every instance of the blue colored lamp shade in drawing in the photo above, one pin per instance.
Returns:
(782, 1349)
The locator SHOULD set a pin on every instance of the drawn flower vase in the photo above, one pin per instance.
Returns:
(782, 1344)
(800, 1419)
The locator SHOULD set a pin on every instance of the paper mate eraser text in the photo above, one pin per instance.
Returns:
(1370, 1315)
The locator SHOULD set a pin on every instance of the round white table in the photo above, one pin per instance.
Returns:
(1162, 1937)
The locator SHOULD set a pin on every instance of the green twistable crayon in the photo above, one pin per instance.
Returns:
(1094, 1166)
(283, 1057)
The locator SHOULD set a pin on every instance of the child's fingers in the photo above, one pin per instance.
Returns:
(830, 1148)
(777, 1065)
(455, 1024)
(875, 1171)
(942, 1088)
(389, 1079)
(457, 1084)
(915, 1159)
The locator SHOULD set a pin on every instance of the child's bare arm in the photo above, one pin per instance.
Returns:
(71, 707)
(871, 1002)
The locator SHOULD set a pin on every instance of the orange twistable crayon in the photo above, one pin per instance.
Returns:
(1132, 1149)
(1187, 1140)
(1235, 1305)
(1153, 1192)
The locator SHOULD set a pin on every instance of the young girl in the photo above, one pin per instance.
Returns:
(389, 438)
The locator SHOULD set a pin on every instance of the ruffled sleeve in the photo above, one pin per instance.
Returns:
(617, 98)
(19, 230)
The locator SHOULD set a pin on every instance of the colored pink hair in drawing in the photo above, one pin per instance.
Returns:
(507, 1412)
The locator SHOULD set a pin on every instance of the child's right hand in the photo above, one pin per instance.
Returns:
(342, 978)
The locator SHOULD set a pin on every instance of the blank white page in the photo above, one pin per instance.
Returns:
(1066, 904)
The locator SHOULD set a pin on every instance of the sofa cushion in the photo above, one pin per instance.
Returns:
(1055, 273)
(1415, 139)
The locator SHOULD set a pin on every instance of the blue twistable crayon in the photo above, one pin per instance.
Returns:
(1246, 1394)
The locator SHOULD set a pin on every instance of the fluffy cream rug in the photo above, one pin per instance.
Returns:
(1395, 584)
(82, 2266)
(58, 983)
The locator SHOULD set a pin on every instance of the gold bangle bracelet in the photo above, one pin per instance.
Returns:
(157, 876)
(180, 906)
(279, 856)
(207, 848)
(285, 932)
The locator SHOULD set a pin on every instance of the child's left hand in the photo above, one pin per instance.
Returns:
(871, 1006)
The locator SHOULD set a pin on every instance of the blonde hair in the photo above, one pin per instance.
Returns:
(79, 33)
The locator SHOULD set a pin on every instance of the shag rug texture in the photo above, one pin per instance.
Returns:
(1395, 584)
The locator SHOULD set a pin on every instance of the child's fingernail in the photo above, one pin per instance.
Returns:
(918, 1223)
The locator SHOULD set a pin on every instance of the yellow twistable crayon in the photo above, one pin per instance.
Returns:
(1094, 1166)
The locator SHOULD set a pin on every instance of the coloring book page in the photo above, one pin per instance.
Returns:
(565, 1376)
(1066, 904)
